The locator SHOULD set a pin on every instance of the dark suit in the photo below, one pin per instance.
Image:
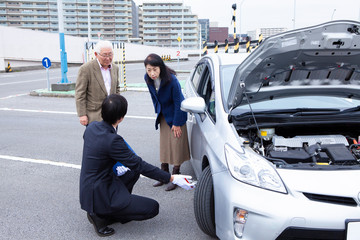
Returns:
(90, 90)
(101, 191)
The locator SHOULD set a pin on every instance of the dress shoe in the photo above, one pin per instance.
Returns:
(100, 228)
(170, 186)
(158, 184)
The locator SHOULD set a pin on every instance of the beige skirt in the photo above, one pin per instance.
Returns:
(173, 150)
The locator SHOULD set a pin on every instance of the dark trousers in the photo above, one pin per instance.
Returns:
(140, 208)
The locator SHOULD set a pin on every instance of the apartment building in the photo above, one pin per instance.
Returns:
(266, 32)
(205, 24)
(167, 22)
(109, 19)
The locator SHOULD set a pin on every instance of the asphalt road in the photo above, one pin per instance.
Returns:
(40, 158)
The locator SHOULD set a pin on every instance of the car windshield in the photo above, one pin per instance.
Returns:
(227, 73)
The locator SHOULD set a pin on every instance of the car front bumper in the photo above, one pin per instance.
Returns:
(273, 215)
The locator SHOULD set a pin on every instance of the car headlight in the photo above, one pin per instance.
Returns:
(251, 168)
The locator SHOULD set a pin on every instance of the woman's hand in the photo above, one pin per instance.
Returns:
(177, 131)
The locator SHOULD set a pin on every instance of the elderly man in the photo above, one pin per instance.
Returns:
(110, 170)
(96, 80)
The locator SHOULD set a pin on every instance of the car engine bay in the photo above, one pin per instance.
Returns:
(312, 145)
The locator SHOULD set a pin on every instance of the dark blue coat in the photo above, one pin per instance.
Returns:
(167, 101)
(101, 191)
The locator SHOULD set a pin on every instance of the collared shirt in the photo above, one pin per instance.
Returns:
(106, 76)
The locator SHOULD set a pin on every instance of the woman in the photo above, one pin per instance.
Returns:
(165, 91)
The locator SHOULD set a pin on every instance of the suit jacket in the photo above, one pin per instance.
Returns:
(90, 90)
(101, 191)
(167, 101)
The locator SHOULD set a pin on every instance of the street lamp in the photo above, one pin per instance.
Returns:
(89, 23)
(294, 14)
(240, 17)
(332, 16)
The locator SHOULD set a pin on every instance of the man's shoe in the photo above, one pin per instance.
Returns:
(158, 184)
(170, 186)
(98, 223)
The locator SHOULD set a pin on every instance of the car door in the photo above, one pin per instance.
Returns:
(202, 124)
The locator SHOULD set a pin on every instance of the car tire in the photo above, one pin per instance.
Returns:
(204, 203)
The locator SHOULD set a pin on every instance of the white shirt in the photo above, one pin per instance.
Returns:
(107, 77)
(157, 84)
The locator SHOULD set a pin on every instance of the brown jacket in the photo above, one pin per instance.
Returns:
(90, 90)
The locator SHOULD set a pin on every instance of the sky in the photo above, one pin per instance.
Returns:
(252, 14)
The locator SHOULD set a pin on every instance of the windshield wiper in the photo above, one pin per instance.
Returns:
(315, 111)
(326, 111)
(353, 109)
(303, 111)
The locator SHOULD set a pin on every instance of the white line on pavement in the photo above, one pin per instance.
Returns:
(46, 162)
(16, 95)
(60, 112)
(35, 80)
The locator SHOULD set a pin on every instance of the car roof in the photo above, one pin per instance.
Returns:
(228, 58)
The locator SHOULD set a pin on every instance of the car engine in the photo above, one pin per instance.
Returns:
(287, 146)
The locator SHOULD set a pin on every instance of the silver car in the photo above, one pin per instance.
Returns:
(274, 137)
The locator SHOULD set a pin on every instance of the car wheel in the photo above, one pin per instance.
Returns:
(204, 203)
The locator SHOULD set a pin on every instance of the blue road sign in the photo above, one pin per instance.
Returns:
(46, 62)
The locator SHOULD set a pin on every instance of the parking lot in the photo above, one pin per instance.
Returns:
(40, 154)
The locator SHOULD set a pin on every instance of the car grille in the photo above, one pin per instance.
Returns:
(347, 201)
(295, 233)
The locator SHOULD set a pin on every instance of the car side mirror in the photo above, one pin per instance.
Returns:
(193, 105)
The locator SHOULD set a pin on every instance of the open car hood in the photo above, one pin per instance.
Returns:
(318, 60)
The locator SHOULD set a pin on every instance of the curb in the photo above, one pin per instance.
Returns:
(136, 87)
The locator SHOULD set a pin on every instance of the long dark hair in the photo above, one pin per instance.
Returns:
(156, 61)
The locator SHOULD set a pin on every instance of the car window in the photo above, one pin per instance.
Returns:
(207, 92)
(197, 74)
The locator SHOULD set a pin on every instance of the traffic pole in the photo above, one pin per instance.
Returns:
(63, 55)
(234, 19)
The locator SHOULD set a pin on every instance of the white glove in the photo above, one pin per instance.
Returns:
(121, 170)
(183, 181)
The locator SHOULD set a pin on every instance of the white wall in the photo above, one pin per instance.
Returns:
(26, 48)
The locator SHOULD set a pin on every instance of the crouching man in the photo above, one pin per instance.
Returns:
(110, 170)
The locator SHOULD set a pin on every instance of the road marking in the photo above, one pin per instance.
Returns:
(35, 111)
(28, 81)
(46, 162)
(36, 80)
(40, 161)
(60, 112)
(16, 95)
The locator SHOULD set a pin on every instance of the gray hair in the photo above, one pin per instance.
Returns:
(102, 44)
